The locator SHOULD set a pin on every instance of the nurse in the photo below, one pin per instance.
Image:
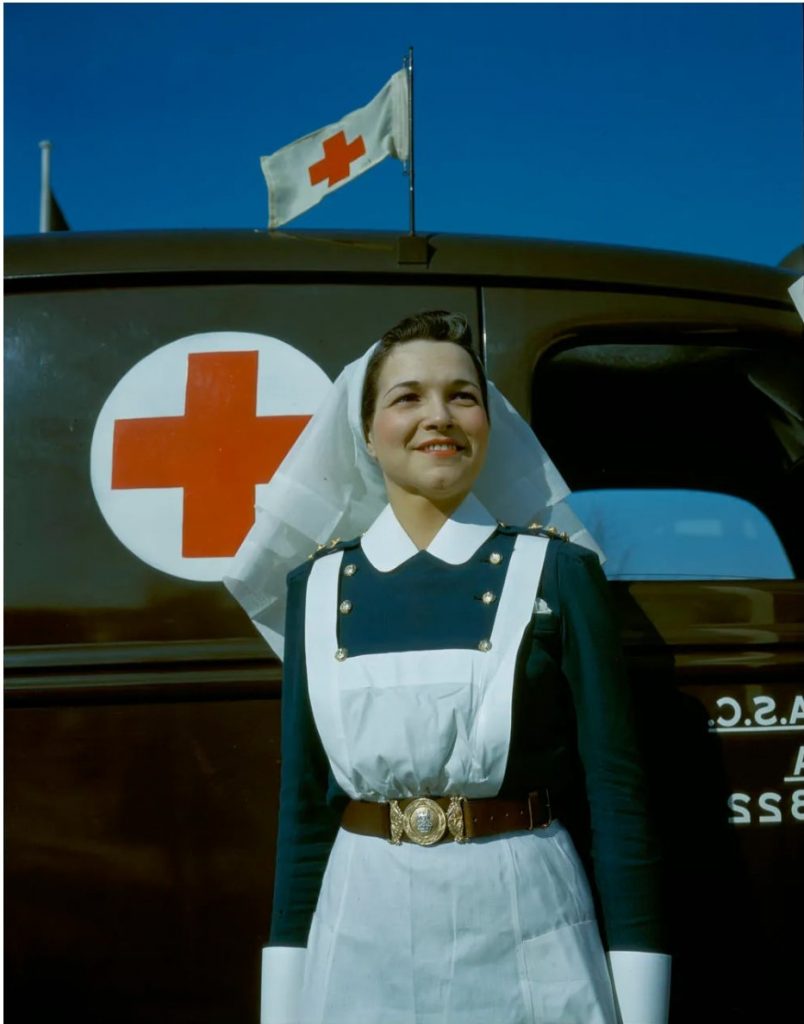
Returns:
(450, 681)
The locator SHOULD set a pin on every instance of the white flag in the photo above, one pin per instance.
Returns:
(301, 174)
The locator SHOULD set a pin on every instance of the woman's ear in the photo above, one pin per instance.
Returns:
(370, 445)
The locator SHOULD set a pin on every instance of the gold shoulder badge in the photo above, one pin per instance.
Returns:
(324, 547)
(551, 531)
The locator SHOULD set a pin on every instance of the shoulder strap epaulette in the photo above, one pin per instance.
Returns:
(547, 531)
(534, 528)
(336, 544)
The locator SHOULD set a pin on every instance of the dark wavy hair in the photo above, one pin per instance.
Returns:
(433, 325)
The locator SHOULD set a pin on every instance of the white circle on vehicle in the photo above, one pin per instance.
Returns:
(188, 439)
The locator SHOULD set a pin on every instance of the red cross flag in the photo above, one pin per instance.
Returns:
(188, 439)
(301, 174)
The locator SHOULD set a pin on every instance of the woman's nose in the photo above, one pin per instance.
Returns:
(437, 413)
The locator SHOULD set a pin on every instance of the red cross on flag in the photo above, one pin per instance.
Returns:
(301, 174)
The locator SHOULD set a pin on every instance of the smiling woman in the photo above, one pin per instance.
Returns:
(452, 691)
(428, 431)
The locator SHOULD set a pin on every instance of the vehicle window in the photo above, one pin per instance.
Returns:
(687, 430)
(676, 535)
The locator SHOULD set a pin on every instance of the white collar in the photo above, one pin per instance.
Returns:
(386, 545)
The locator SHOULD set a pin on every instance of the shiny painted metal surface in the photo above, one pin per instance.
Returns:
(142, 713)
(79, 256)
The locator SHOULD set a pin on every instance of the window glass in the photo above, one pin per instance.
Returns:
(700, 432)
(680, 534)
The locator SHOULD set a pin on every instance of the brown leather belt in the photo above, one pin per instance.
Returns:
(427, 820)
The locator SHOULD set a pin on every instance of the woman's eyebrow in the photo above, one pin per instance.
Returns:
(459, 383)
(403, 384)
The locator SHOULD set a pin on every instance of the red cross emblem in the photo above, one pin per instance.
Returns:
(217, 452)
(337, 160)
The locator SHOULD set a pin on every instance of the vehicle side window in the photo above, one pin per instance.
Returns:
(688, 442)
(676, 535)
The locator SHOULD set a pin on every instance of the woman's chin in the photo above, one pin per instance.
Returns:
(445, 492)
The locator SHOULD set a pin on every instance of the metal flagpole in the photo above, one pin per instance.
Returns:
(411, 176)
(44, 189)
(412, 248)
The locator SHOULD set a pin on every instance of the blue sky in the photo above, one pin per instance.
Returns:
(672, 126)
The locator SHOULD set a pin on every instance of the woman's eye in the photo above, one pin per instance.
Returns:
(408, 396)
(465, 396)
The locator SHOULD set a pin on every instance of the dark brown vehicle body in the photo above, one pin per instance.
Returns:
(141, 729)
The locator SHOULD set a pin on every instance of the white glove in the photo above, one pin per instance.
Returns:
(641, 986)
(281, 984)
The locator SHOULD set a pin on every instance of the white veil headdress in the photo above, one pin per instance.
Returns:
(329, 486)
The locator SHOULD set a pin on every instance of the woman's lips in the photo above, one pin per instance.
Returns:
(442, 449)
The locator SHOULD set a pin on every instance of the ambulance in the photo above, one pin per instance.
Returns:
(154, 382)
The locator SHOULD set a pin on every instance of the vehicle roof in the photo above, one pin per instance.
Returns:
(76, 256)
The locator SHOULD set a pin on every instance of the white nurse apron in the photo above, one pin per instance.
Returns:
(499, 930)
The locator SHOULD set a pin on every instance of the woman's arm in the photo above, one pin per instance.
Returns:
(624, 849)
(307, 825)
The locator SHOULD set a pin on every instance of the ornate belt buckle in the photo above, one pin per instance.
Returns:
(424, 822)
(455, 819)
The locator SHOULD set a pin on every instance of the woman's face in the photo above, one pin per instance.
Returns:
(430, 431)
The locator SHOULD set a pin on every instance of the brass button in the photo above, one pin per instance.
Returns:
(495, 558)
(484, 646)
(345, 607)
(488, 597)
(350, 569)
(341, 654)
